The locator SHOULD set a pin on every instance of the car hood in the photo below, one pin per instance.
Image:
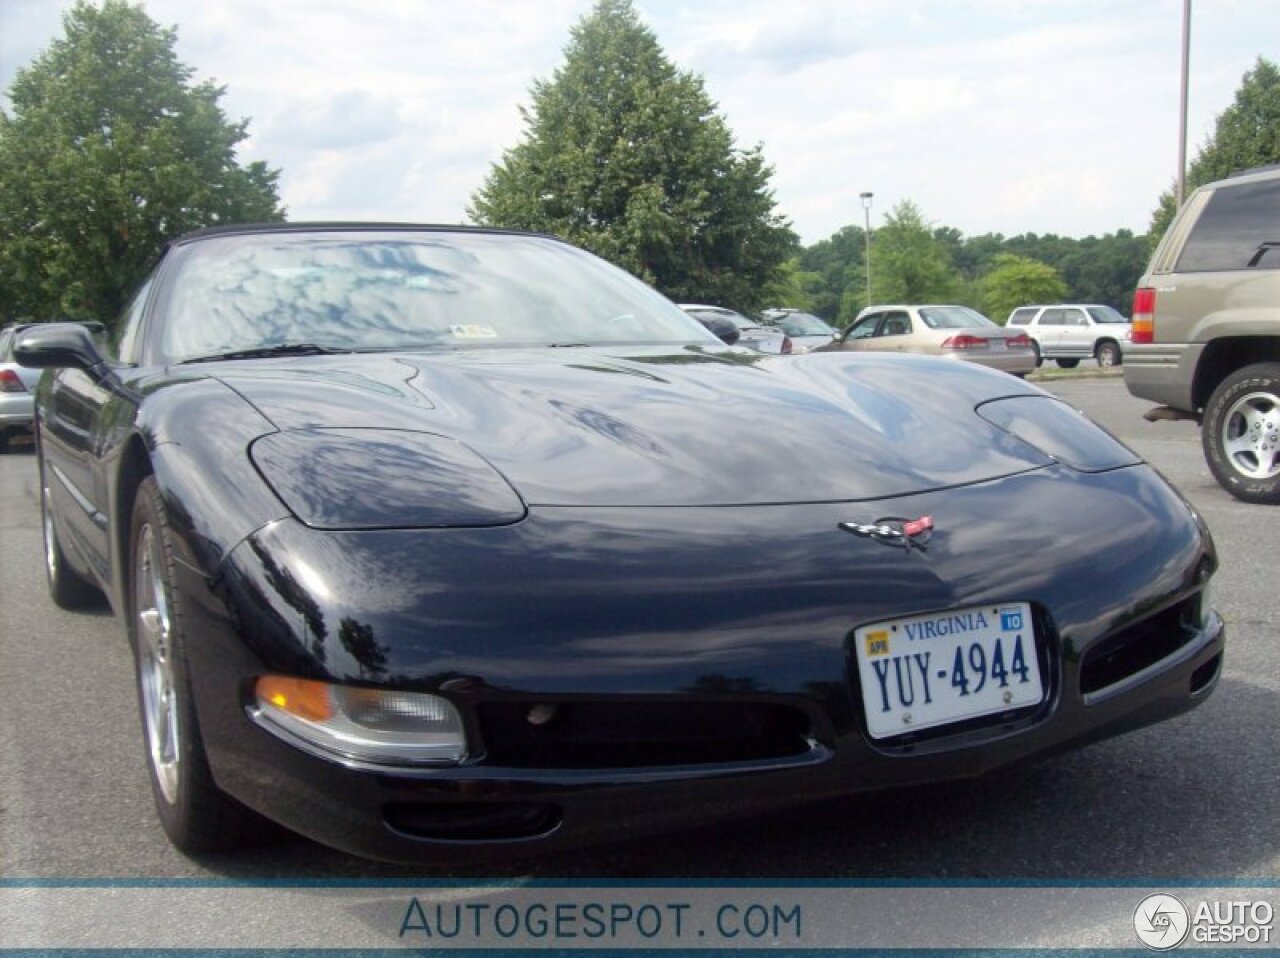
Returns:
(675, 426)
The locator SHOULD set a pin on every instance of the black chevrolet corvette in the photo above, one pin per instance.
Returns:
(436, 540)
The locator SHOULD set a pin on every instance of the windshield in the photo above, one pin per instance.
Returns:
(1105, 314)
(372, 290)
(804, 324)
(952, 317)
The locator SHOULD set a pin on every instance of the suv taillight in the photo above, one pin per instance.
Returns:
(10, 383)
(1143, 329)
(964, 341)
(786, 346)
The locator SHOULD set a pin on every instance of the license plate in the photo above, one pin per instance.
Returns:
(928, 670)
(998, 345)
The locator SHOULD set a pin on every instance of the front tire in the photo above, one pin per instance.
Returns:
(1241, 434)
(195, 814)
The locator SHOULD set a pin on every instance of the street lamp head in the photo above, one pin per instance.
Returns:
(866, 200)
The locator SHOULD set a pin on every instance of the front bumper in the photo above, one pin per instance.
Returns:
(655, 613)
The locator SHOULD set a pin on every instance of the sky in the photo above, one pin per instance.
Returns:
(1005, 116)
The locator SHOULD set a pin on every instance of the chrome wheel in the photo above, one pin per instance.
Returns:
(1251, 435)
(1108, 355)
(155, 664)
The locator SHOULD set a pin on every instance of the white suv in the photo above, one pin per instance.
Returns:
(1070, 332)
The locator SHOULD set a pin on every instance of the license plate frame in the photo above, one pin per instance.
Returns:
(922, 671)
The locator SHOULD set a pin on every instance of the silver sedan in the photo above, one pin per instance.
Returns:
(957, 332)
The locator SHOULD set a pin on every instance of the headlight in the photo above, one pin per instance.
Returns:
(370, 725)
(384, 479)
(1057, 430)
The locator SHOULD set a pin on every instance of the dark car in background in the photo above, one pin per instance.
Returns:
(751, 333)
(442, 542)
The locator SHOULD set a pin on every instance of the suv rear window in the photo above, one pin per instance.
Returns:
(1021, 317)
(1236, 221)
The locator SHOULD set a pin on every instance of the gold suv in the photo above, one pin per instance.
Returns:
(1206, 329)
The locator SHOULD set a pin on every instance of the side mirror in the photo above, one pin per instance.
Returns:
(57, 346)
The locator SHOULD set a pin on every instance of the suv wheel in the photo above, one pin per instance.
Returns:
(1107, 353)
(1241, 434)
(1068, 363)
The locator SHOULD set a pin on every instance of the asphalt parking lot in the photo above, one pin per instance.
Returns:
(1198, 797)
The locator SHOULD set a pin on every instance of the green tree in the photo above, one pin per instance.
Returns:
(908, 263)
(625, 155)
(1105, 269)
(971, 255)
(1247, 134)
(110, 152)
(796, 287)
(1018, 281)
(839, 261)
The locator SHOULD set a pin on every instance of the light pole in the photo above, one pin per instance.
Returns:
(866, 210)
(1182, 107)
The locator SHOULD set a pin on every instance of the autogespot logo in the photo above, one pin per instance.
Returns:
(1161, 922)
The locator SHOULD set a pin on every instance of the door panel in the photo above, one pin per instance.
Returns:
(71, 444)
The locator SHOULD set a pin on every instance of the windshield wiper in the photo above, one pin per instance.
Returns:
(264, 352)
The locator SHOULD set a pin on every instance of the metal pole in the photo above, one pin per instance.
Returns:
(866, 210)
(1182, 111)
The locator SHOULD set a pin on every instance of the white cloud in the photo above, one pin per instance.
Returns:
(993, 115)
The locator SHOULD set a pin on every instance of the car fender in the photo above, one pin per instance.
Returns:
(193, 436)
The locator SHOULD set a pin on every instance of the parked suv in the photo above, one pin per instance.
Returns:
(1070, 332)
(1206, 329)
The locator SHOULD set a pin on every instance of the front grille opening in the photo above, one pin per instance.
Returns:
(639, 734)
(1135, 648)
(1202, 677)
(472, 821)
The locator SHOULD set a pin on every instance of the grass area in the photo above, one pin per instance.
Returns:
(1051, 371)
